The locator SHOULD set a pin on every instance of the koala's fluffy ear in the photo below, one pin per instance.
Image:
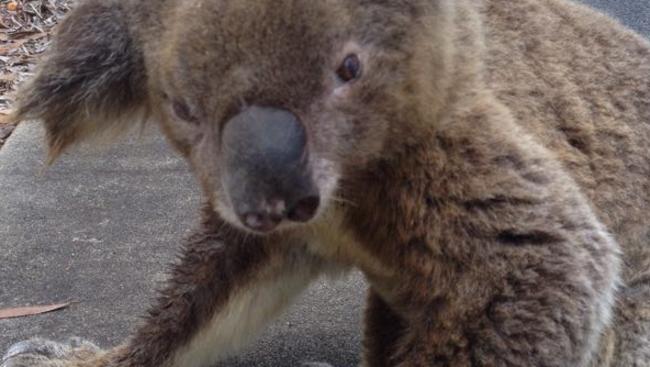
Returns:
(91, 80)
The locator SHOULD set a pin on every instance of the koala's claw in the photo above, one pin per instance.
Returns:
(39, 352)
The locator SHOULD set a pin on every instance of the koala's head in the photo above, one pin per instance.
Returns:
(273, 102)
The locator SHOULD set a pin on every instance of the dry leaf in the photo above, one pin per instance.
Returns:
(30, 311)
(7, 77)
(6, 119)
(12, 6)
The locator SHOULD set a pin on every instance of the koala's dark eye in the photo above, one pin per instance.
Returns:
(350, 69)
(182, 111)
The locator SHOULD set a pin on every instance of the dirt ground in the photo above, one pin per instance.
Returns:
(25, 32)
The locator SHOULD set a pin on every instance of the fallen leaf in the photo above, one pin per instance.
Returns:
(30, 311)
(12, 6)
(7, 77)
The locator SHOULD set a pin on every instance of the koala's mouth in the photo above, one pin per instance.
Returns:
(267, 176)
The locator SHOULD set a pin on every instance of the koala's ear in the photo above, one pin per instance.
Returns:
(92, 79)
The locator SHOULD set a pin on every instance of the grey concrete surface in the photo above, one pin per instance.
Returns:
(96, 228)
(634, 13)
(100, 226)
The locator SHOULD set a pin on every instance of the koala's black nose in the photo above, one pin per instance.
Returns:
(266, 217)
(261, 221)
(267, 173)
(270, 138)
(304, 209)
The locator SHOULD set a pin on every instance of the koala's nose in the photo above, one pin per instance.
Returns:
(269, 216)
(304, 209)
(272, 139)
(267, 171)
(264, 219)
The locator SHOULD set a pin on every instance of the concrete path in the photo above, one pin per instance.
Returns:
(99, 227)
(634, 13)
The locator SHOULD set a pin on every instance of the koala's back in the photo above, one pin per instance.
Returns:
(580, 82)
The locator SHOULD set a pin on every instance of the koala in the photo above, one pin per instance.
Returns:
(485, 164)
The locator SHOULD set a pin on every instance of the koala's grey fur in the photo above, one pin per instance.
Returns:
(489, 171)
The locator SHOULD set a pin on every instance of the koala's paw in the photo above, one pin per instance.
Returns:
(45, 353)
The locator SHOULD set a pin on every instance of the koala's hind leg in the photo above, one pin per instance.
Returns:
(631, 328)
(222, 292)
(383, 328)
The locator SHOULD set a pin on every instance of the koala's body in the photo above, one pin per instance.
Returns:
(486, 165)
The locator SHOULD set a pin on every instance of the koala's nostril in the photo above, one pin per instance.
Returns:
(261, 221)
(304, 210)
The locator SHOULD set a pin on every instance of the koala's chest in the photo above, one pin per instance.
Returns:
(329, 239)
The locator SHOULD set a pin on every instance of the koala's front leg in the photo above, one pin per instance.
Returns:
(558, 327)
(535, 296)
(222, 292)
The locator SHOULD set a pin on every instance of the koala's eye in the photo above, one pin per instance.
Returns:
(350, 69)
(183, 111)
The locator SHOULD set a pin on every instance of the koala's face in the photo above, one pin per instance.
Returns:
(277, 104)
(272, 102)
